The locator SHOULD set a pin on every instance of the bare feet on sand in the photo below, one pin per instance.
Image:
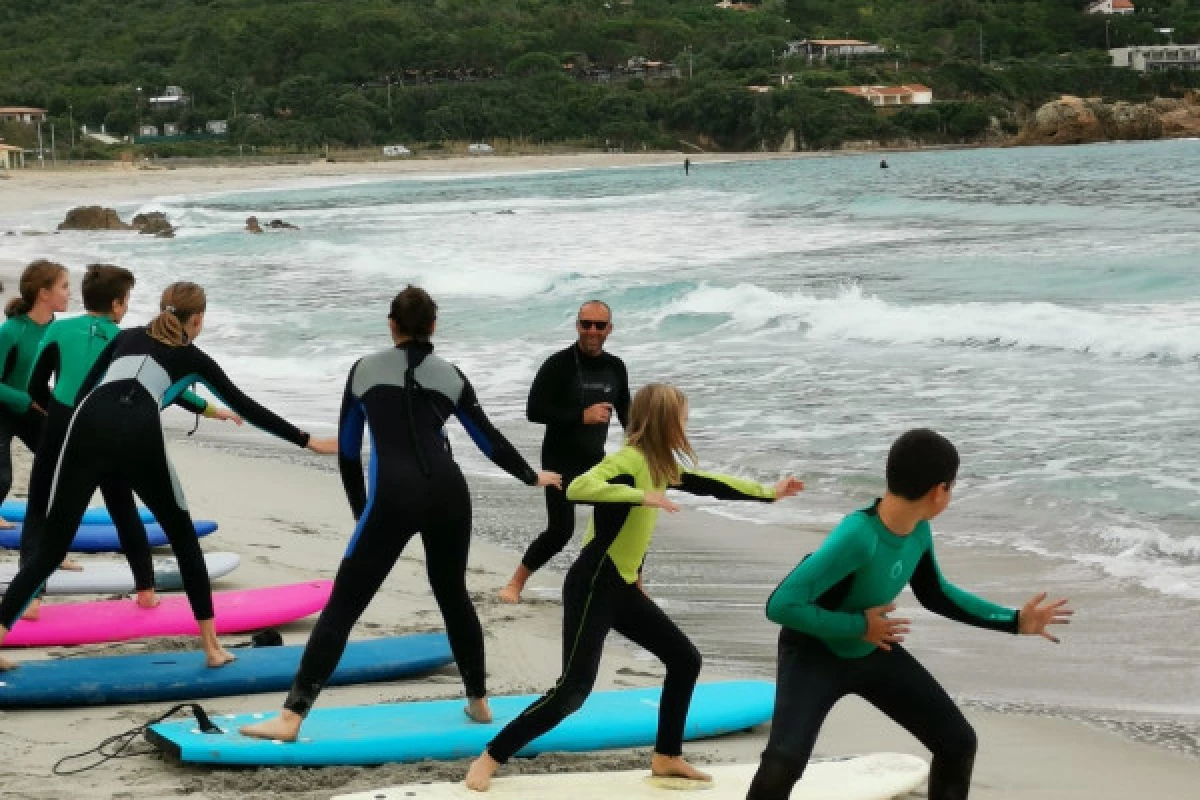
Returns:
(284, 728)
(675, 767)
(71, 565)
(479, 776)
(478, 709)
(148, 598)
(219, 657)
(6, 665)
(33, 611)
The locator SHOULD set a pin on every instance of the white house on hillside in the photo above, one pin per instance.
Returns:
(822, 49)
(1158, 57)
(1110, 7)
(912, 94)
(173, 97)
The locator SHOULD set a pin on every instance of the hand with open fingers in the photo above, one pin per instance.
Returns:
(882, 630)
(659, 500)
(1037, 614)
(225, 415)
(787, 486)
(549, 479)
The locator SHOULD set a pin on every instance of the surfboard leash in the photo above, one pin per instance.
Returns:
(117, 745)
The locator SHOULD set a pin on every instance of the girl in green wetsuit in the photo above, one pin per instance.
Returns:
(602, 591)
(838, 639)
(44, 291)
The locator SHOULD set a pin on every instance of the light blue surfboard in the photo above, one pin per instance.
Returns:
(153, 677)
(102, 538)
(14, 511)
(439, 730)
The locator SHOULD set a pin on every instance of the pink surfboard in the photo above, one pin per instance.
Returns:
(119, 620)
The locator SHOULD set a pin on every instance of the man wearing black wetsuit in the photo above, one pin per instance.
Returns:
(574, 395)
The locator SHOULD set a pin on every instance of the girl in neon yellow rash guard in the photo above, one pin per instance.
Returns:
(602, 591)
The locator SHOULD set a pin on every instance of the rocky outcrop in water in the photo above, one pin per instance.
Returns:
(92, 218)
(1077, 120)
(252, 225)
(154, 223)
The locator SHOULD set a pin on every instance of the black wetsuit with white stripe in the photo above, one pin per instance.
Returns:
(116, 432)
(405, 395)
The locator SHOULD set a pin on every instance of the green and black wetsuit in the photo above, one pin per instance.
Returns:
(19, 339)
(601, 594)
(68, 350)
(823, 657)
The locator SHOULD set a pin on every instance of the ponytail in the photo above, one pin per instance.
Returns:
(40, 274)
(180, 301)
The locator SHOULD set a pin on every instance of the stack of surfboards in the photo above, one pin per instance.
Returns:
(96, 532)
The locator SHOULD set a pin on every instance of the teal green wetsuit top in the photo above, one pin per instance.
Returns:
(862, 565)
(68, 350)
(624, 478)
(19, 338)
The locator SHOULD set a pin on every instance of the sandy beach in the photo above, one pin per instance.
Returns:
(285, 514)
(286, 517)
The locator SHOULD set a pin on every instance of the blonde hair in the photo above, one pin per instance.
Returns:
(656, 429)
(40, 274)
(179, 302)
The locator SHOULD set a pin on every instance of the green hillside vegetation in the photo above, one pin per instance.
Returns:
(303, 74)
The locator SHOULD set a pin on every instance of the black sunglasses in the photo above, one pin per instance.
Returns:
(588, 324)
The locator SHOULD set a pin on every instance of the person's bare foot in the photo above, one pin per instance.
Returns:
(148, 598)
(284, 728)
(675, 767)
(219, 657)
(6, 665)
(511, 593)
(478, 709)
(34, 611)
(479, 776)
(70, 565)
(5, 525)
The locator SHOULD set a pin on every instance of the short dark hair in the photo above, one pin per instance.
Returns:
(103, 285)
(918, 461)
(414, 313)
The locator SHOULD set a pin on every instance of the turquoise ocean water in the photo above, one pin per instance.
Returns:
(1039, 306)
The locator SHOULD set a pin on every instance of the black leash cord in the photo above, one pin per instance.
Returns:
(117, 746)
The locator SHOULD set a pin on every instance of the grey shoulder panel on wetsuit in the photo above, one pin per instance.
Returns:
(143, 369)
(387, 368)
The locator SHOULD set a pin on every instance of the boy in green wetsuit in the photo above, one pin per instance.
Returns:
(67, 352)
(838, 639)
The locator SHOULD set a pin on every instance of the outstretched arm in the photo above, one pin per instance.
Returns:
(725, 487)
(942, 597)
(211, 374)
(10, 397)
(489, 440)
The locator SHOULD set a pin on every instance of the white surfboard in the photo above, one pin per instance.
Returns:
(878, 776)
(115, 577)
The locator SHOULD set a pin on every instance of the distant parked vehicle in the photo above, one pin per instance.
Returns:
(396, 150)
(479, 147)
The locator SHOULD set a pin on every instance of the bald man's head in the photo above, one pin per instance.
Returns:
(593, 323)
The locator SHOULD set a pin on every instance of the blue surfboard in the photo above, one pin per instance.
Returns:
(439, 730)
(14, 511)
(102, 538)
(153, 677)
